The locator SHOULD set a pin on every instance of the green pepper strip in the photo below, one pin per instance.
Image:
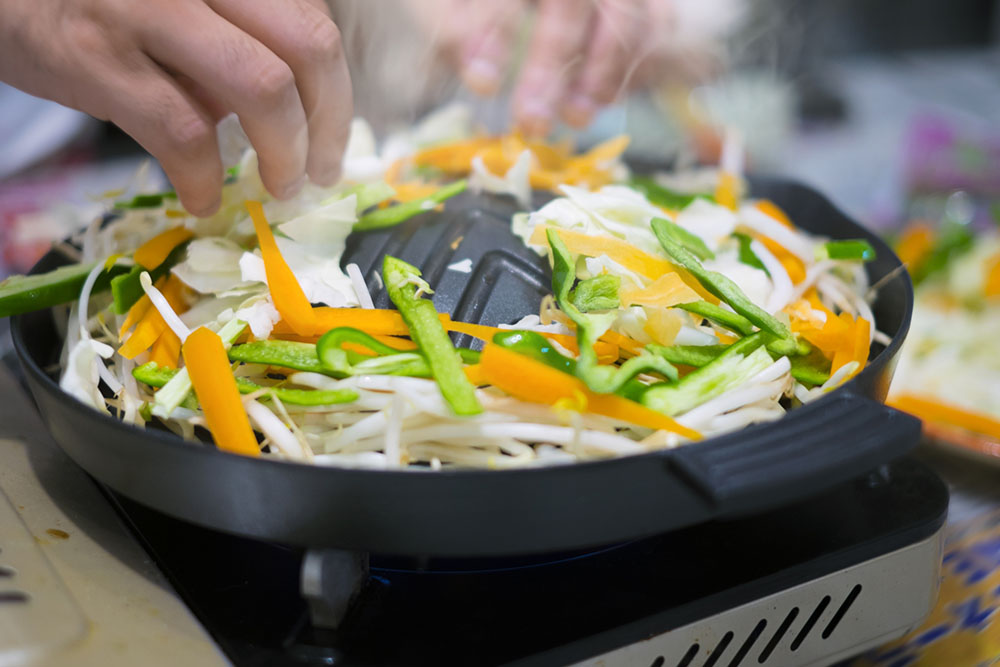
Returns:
(601, 379)
(691, 242)
(665, 197)
(393, 215)
(126, 288)
(151, 374)
(427, 332)
(811, 370)
(22, 294)
(855, 249)
(151, 200)
(724, 318)
(747, 255)
(535, 345)
(388, 360)
(689, 355)
(370, 194)
(718, 284)
(284, 353)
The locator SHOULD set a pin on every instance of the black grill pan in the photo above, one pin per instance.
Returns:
(474, 512)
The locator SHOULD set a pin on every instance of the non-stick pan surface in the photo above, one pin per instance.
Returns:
(485, 512)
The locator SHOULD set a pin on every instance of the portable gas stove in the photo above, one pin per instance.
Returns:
(838, 567)
(808, 584)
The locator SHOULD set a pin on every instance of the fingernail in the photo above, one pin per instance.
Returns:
(293, 189)
(208, 210)
(482, 76)
(580, 111)
(535, 116)
(326, 178)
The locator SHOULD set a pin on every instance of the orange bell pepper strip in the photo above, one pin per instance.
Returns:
(155, 251)
(622, 252)
(286, 292)
(605, 351)
(915, 244)
(666, 291)
(727, 191)
(138, 310)
(992, 286)
(794, 266)
(931, 409)
(770, 209)
(529, 380)
(214, 385)
(152, 324)
(452, 158)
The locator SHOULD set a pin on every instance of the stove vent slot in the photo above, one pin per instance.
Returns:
(748, 644)
(848, 601)
(782, 629)
(811, 623)
(689, 656)
(719, 649)
(13, 597)
(807, 628)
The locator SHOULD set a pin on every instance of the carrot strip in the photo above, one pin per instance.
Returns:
(530, 380)
(934, 410)
(287, 294)
(622, 252)
(155, 251)
(166, 350)
(214, 384)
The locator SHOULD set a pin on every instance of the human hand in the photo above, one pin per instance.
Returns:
(166, 71)
(582, 54)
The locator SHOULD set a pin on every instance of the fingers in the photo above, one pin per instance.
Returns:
(302, 35)
(612, 55)
(246, 77)
(487, 42)
(558, 44)
(169, 123)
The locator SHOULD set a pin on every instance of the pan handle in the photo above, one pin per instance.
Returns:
(819, 445)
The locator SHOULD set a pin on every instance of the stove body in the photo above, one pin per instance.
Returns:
(807, 584)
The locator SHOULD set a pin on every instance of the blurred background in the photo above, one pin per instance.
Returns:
(889, 108)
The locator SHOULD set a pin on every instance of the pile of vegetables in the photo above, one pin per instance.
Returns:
(673, 315)
(949, 369)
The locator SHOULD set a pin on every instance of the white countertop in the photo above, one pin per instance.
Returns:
(113, 604)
